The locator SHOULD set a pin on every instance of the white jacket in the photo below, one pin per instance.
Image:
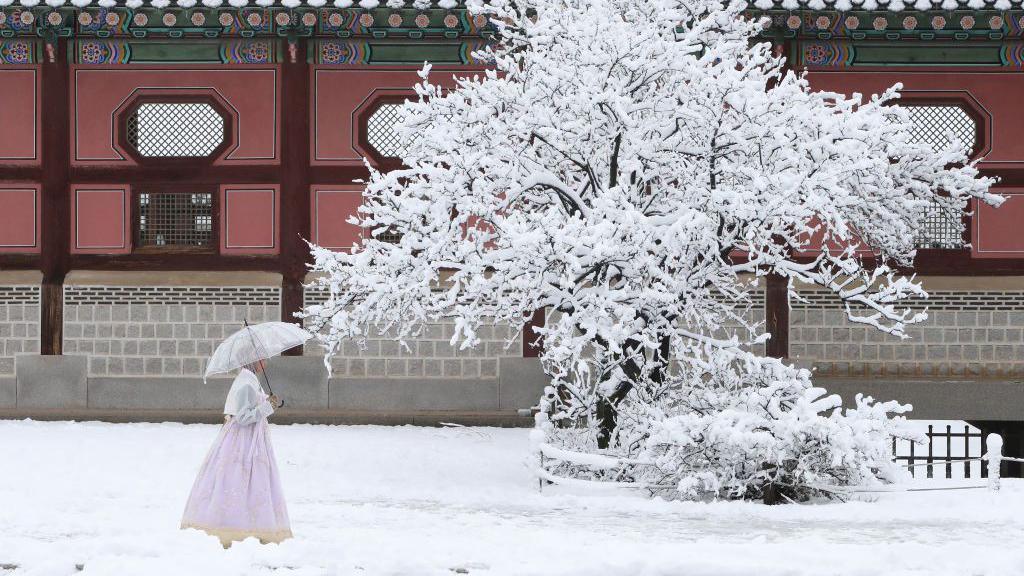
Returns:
(246, 401)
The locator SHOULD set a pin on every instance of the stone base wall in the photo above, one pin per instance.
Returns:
(967, 334)
(429, 356)
(19, 324)
(158, 330)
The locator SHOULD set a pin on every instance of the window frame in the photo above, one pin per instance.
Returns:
(362, 114)
(166, 188)
(175, 161)
(982, 129)
(953, 102)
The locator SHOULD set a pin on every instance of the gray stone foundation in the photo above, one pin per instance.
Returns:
(162, 331)
(975, 334)
(19, 325)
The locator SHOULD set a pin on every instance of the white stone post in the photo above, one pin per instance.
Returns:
(994, 457)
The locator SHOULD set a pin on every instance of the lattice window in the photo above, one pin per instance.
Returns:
(175, 220)
(175, 130)
(932, 125)
(940, 229)
(380, 131)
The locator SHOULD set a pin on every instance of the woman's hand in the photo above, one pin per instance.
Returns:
(275, 401)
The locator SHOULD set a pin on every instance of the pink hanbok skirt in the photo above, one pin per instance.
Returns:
(238, 492)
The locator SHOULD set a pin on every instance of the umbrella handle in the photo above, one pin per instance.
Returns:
(266, 374)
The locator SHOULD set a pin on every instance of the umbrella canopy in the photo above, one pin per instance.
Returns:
(254, 343)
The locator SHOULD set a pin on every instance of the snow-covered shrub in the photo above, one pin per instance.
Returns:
(634, 168)
(754, 432)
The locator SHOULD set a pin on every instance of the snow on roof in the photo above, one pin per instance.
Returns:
(839, 5)
(886, 5)
(367, 4)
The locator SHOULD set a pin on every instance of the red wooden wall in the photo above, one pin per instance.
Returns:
(250, 211)
(993, 96)
(19, 115)
(250, 94)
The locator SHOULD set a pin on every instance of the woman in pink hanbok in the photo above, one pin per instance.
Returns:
(238, 492)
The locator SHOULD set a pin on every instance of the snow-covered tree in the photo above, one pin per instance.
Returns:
(632, 168)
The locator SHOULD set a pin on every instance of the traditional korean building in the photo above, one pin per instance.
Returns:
(161, 163)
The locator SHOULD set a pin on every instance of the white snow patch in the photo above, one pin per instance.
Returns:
(426, 501)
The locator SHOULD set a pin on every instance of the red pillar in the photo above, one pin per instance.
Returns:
(55, 205)
(776, 312)
(295, 164)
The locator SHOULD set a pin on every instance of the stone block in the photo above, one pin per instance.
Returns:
(395, 367)
(51, 382)
(222, 314)
(138, 313)
(410, 394)
(191, 366)
(158, 313)
(489, 368)
(167, 347)
(300, 381)
(414, 367)
(376, 367)
(147, 393)
(390, 349)
(521, 382)
(171, 366)
(432, 368)
(8, 392)
(175, 314)
(452, 368)
(135, 365)
(97, 366)
(356, 367)
(372, 349)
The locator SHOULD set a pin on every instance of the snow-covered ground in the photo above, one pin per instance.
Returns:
(423, 501)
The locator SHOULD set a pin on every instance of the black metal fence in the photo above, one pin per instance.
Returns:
(959, 449)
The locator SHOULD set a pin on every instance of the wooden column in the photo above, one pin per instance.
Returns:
(532, 347)
(295, 168)
(55, 205)
(776, 313)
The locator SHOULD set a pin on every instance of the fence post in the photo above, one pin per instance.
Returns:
(994, 457)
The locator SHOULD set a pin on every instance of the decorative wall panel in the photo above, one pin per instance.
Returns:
(19, 116)
(339, 95)
(100, 219)
(250, 93)
(19, 218)
(996, 231)
(250, 218)
(331, 207)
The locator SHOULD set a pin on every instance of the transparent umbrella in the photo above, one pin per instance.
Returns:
(254, 343)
